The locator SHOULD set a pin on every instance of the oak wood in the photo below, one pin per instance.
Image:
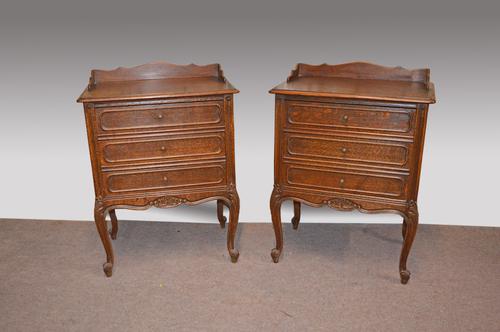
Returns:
(220, 213)
(361, 81)
(351, 137)
(174, 115)
(156, 80)
(401, 91)
(347, 149)
(114, 224)
(156, 71)
(160, 135)
(361, 71)
(151, 89)
(326, 116)
(296, 215)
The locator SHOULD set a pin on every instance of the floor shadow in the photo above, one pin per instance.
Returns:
(377, 233)
(323, 239)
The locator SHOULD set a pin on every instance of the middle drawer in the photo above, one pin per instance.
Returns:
(373, 152)
(164, 148)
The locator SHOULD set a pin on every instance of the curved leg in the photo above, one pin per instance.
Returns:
(100, 222)
(234, 212)
(275, 205)
(220, 213)
(296, 214)
(410, 231)
(403, 230)
(114, 224)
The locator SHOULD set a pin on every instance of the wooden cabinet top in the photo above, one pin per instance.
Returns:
(156, 80)
(359, 80)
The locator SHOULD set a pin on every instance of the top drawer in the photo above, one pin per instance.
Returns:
(349, 117)
(151, 118)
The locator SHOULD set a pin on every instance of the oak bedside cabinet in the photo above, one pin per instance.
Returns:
(160, 135)
(351, 137)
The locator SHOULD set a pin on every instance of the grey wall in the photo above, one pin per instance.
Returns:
(48, 48)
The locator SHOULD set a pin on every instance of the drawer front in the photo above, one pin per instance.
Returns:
(160, 117)
(326, 179)
(162, 149)
(341, 149)
(164, 179)
(349, 117)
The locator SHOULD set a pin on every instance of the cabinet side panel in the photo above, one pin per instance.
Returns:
(420, 139)
(278, 132)
(89, 122)
(230, 162)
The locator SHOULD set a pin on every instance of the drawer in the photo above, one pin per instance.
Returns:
(328, 179)
(349, 117)
(163, 148)
(171, 178)
(160, 117)
(343, 149)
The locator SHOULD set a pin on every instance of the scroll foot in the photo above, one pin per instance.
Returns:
(234, 212)
(275, 254)
(234, 253)
(296, 215)
(405, 276)
(220, 214)
(108, 269)
(222, 222)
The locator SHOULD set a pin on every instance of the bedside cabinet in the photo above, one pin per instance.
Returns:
(351, 137)
(160, 135)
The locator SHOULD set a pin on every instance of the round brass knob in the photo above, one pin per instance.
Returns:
(345, 118)
(160, 116)
(342, 181)
(344, 150)
(164, 178)
(163, 148)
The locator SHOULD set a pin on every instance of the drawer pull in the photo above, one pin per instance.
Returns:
(160, 116)
(342, 181)
(345, 118)
(165, 178)
(344, 150)
(163, 148)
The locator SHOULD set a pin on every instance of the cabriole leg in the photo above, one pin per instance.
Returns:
(275, 205)
(114, 224)
(410, 231)
(403, 229)
(100, 222)
(234, 211)
(296, 214)
(220, 213)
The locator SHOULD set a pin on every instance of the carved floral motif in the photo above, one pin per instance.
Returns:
(342, 204)
(277, 189)
(412, 210)
(276, 194)
(167, 201)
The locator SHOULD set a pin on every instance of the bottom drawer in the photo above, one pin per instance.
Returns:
(319, 178)
(164, 178)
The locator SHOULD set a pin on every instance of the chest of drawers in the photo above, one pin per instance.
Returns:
(351, 137)
(160, 135)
